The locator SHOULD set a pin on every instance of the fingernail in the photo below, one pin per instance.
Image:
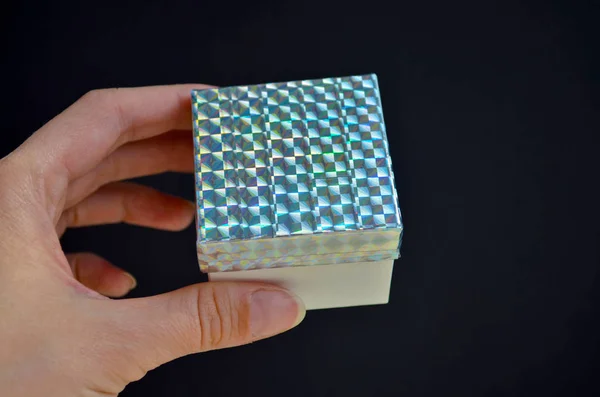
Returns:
(133, 281)
(274, 311)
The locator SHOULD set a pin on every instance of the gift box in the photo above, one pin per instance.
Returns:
(294, 186)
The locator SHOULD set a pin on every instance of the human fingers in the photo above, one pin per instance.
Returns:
(100, 275)
(130, 203)
(204, 317)
(172, 151)
(78, 139)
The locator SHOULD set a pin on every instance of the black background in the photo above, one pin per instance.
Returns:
(492, 116)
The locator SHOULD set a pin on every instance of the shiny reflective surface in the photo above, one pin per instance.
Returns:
(280, 160)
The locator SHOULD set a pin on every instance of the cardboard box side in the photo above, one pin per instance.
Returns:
(323, 287)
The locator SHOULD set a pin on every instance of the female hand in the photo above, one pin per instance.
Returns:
(60, 334)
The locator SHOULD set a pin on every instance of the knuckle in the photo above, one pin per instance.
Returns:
(98, 95)
(95, 97)
(218, 318)
(107, 101)
(212, 314)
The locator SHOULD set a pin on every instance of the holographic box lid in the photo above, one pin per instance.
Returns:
(293, 174)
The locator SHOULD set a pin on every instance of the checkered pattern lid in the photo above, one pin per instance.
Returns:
(296, 158)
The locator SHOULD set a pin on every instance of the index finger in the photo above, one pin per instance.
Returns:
(80, 137)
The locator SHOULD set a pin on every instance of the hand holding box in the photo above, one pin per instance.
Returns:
(294, 185)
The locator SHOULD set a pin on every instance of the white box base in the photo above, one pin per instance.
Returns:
(326, 286)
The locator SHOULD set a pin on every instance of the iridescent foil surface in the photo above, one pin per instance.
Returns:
(293, 174)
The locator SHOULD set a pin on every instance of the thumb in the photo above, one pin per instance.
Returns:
(204, 317)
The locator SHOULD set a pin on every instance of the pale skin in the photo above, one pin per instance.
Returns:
(61, 334)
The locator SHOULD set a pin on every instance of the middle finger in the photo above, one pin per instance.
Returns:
(172, 151)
